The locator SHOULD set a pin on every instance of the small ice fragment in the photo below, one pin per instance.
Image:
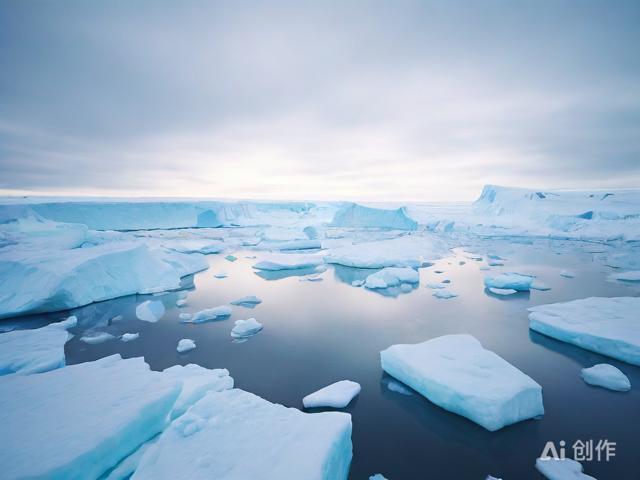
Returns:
(567, 274)
(231, 258)
(561, 469)
(357, 283)
(377, 476)
(127, 337)
(185, 345)
(435, 286)
(391, 277)
(150, 311)
(336, 395)
(631, 277)
(444, 294)
(95, 338)
(510, 280)
(249, 301)
(606, 376)
(181, 302)
(216, 313)
(246, 328)
(221, 274)
(185, 316)
(446, 281)
(502, 291)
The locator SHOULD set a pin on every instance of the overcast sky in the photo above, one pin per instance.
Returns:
(391, 100)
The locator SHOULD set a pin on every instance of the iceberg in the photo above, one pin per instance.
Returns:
(609, 326)
(185, 345)
(288, 261)
(234, 434)
(561, 469)
(196, 382)
(34, 351)
(56, 425)
(336, 395)
(511, 281)
(606, 376)
(150, 311)
(207, 315)
(358, 216)
(456, 373)
(49, 280)
(391, 277)
(249, 302)
(246, 328)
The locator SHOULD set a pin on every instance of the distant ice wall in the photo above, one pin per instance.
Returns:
(357, 216)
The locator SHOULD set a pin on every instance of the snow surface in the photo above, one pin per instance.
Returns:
(336, 395)
(185, 345)
(358, 216)
(391, 277)
(609, 326)
(34, 351)
(606, 376)
(246, 328)
(79, 421)
(456, 373)
(287, 261)
(561, 469)
(207, 315)
(235, 435)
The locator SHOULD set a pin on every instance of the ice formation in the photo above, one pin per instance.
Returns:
(391, 277)
(502, 291)
(444, 294)
(150, 311)
(511, 281)
(336, 395)
(246, 328)
(606, 376)
(236, 435)
(185, 345)
(249, 301)
(358, 216)
(288, 261)
(458, 374)
(96, 338)
(561, 469)
(207, 315)
(630, 277)
(128, 337)
(608, 326)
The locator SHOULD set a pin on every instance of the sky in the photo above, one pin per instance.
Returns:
(308, 100)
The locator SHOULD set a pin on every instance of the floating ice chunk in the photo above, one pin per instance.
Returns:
(377, 476)
(236, 435)
(608, 326)
(630, 277)
(561, 469)
(66, 324)
(221, 274)
(502, 291)
(567, 274)
(231, 258)
(209, 314)
(539, 285)
(444, 294)
(336, 395)
(288, 261)
(185, 316)
(246, 328)
(185, 345)
(491, 477)
(150, 311)
(205, 247)
(196, 381)
(356, 216)
(513, 281)
(69, 433)
(250, 301)
(606, 376)
(295, 245)
(458, 374)
(311, 278)
(391, 277)
(33, 351)
(357, 283)
(181, 302)
(495, 263)
(435, 286)
(96, 337)
(128, 337)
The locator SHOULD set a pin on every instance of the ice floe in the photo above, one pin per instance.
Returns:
(150, 311)
(336, 395)
(234, 434)
(561, 469)
(128, 337)
(609, 326)
(287, 261)
(606, 376)
(208, 315)
(625, 277)
(458, 374)
(95, 338)
(502, 291)
(444, 294)
(185, 345)
(512, 281)
(567, 274)
(358, 216)
(249, 301)
(246, 328)
(391, 277)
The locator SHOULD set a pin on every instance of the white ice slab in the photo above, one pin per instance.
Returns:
(610, 326)
(150, 311)
(246, 328)
(235, 435)
(96, 338)
(336, 395)
(358, 216)
(128, 337)
(208, 315)
(458, 374)
(606, 376)
(632, 276)
(185, 344)
(512, 281)
(444, 294)
(249, 302)
(561, 469)
(391, 277)
(288, 261)
(76, 422)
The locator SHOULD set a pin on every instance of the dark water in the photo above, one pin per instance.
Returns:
(316, 333)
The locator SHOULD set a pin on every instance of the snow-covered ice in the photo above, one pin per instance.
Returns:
(561, 469)
(444, 294)
(358, 216)
(288, 261)
(150, 311)
(79, 421)
(336, 395)
(606, 376)
(34, 351)
(185, 345)
(512, 281)
(249, 301)
(246, 328)
(128, 337)
(95, 338)
(458, 374)
(610, 326)
(391, 277)
(632, 276)
(502, 291)
(234, 434)
(208, 314)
